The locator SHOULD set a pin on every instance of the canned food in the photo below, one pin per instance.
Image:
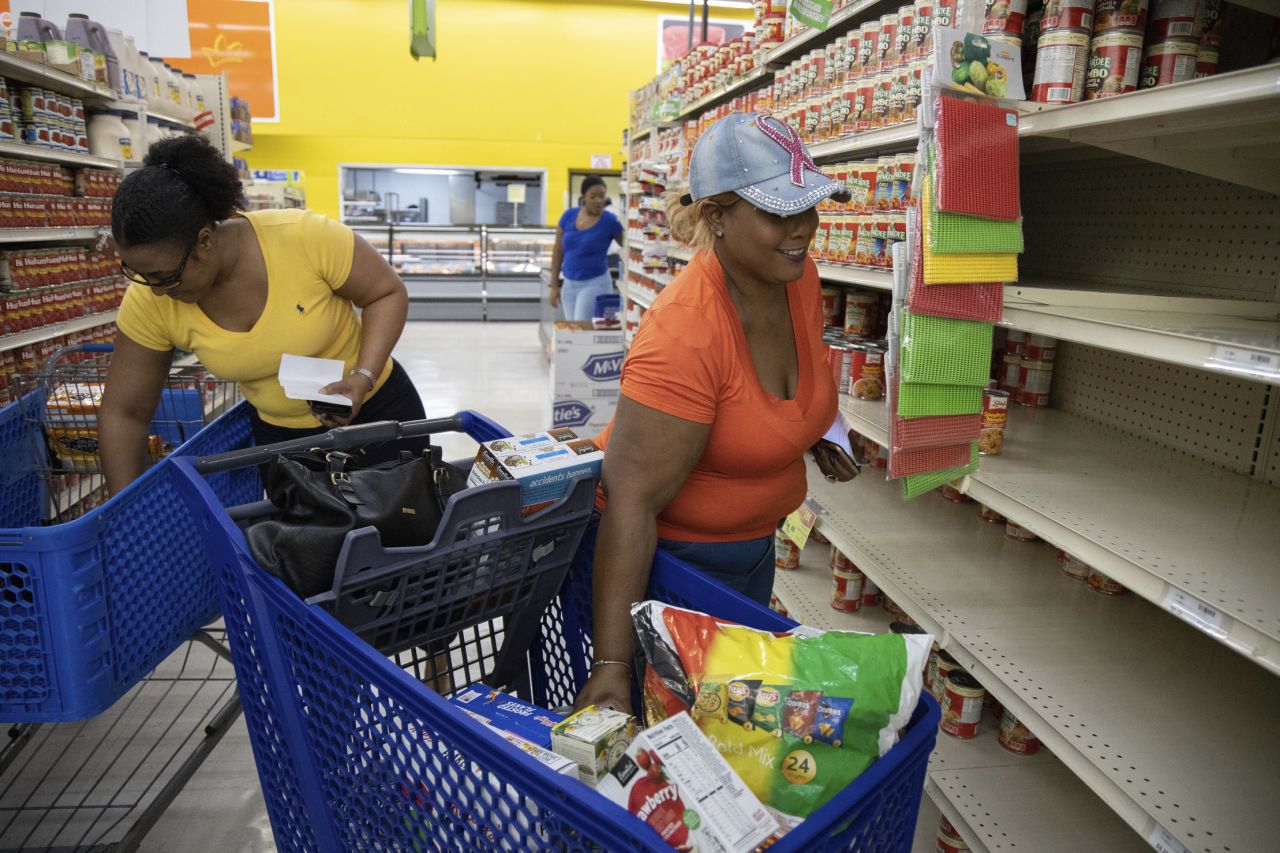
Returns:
(868, 47)
(1015, 342)
(1018, 533)
(1168, 62)
(989, 515)
(1176, 19)
(1005, 17)
(886, 47)
(832, 305)
(995, 415)
(1211, 36)
(941, 663)
(922, 30)
(906, 32)
(1098, 582)
(866, 372)
(1073, 567)
(777, 606)
(846, 591)
(1040, 348)
(1115, 59)
(1061, 60)
(1037, 379)
(1068, 16)
(951, 493)
(944, 825)
(877, 456)
(786, 554)
(1016, 737)
(817, 536)
(1014, 42)
(840, 354)
(1206, 62)
(944, 13)
(871, 595)
(859, 314)
(951, 843)
(1111, 15)
(962, 704)
(840, 563)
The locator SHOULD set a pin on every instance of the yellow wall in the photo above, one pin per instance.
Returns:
(518, 83)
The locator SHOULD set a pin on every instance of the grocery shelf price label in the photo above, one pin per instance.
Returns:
(1246, 361)
(1197, 613)
(799, 524)
(1163, 841)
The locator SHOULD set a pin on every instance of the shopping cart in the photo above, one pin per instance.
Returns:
(355, 753)
(102, 612)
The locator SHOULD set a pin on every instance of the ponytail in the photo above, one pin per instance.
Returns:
(183, 186)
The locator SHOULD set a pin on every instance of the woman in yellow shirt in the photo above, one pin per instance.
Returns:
(240, 290)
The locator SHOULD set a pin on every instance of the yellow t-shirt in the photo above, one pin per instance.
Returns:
(308, 257)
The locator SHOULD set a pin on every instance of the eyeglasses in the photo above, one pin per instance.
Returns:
(167, 282)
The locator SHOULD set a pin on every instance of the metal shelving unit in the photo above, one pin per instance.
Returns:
(49, 235)
(1221, 335)
(996, 799)
(1104, 683)
(22, 151)
(16, 68)
(1185, 535)
(45, 333)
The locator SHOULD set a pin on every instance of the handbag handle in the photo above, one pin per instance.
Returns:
(340, 438)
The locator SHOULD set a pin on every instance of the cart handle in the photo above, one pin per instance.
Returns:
(353, 437)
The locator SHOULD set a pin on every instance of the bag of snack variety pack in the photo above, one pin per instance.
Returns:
(798, 715)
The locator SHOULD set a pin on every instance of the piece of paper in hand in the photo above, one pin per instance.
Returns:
(302, 378)
(839, 435)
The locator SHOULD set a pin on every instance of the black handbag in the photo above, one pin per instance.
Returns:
(323, 495)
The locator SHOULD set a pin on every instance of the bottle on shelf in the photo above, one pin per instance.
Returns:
(156, 93)
(91, 35)
(33, 27)
(108, 136)
(195, 97)
(172, 88)
(136, 125)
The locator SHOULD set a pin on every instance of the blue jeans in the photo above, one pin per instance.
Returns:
(578, 298)
(745, 566)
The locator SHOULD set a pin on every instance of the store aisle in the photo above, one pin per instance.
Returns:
(497, 369)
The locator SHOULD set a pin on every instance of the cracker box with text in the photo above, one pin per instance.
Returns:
(673, 778)
(544, 473)
(509, 713)
(595, 738)
(586, 373)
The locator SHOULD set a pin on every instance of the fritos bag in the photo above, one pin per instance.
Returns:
(798, 715)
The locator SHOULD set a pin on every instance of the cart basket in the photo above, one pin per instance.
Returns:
(89, 607)
(355, 753)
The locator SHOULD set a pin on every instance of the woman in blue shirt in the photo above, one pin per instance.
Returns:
(582, 242)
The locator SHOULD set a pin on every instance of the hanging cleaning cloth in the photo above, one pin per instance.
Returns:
(977, 159)
(943, 351)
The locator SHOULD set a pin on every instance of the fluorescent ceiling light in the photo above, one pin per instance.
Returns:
(427, 171)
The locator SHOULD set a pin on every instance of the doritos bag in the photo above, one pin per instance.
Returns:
(798, 715)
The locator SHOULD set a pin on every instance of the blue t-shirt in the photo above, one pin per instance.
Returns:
(584, 251)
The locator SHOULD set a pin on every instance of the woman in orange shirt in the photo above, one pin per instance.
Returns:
(724, 389)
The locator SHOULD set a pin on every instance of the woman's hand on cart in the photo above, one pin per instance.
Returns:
(608, 687)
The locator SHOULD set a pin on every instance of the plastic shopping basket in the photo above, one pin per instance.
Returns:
(355, 753)
(89, 607)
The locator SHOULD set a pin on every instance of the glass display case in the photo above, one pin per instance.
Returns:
(466, 272)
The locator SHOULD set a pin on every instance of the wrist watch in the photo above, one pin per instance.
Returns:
(367, 374)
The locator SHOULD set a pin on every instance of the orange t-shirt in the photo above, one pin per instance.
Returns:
(690, 359)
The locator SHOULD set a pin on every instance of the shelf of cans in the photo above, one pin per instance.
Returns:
(41, 195)
(1087, 671)
(24, 354)
(1028, 798)
(862, 232)
(43, 118)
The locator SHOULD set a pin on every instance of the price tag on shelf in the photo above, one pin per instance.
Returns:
(1248, 361)
(799, 524)
(1192, 610)
(1164, 842)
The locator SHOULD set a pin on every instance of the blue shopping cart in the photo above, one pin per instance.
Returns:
(354, 752)
(103, 611)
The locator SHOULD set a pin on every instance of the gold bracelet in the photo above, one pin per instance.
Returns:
(367, 374)
(596, 663)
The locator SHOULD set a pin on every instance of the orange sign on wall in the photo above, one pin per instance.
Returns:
(236, 36)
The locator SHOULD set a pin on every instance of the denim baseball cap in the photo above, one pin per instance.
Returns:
(762, 160)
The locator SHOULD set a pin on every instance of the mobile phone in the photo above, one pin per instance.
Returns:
(320, 407)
